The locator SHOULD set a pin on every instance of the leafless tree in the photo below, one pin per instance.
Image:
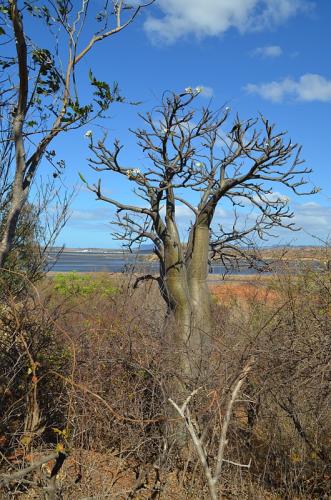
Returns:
(193, 161)
(39, 96)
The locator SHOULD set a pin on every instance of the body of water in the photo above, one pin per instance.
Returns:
(117, 263)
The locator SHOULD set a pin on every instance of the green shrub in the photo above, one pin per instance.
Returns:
(75, 284)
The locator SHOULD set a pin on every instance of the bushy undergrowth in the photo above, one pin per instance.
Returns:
(102, 367)
(288, 424)
(32, 398)
(74, 284)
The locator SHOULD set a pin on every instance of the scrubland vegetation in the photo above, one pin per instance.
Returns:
(85, 377)
(166, 386)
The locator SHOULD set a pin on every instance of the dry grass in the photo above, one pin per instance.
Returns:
(244, 294)
(111, 391)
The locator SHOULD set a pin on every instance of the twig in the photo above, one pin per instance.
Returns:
(183, 411)
(16, 476)
(238, 384)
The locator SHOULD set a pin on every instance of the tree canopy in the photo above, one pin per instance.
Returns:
(199, 159)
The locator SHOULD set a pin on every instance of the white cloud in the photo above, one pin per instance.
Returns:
(275, 196)
(183, 212)
(202, 18)
(268, 51)
(309, 87)
(206, 91)
(313, 217)
(88, 215)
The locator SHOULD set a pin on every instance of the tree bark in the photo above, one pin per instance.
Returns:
(18, 193)
(189, 302)
(179, 304)
(197, 272)
(9, 229)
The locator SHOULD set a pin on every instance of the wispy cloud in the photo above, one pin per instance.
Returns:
(268, 51)
(309, 87)
(199, 18)
(91, 220)
(206, 91)
(96, 214)
(313, 217)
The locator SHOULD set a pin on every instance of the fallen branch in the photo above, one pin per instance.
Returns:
(18, 475)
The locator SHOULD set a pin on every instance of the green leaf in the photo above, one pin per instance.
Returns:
(82, 178)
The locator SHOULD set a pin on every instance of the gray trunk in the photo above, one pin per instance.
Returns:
(189, 302)
(9, 229)
(19, 191)
(197, 271)
(179, 304)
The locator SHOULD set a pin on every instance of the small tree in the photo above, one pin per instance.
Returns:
(192, 161)
(39, 96)
(38, 226)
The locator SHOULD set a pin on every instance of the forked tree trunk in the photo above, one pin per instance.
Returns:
(188, 298)
(190, 304)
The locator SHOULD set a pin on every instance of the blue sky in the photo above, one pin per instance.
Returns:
(268, 56)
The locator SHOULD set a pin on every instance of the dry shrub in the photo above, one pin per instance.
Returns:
(32, 400)
(112, 389)
(117, 347)
(283, 423)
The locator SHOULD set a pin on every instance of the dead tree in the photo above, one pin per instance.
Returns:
(192, 161)
(39, 96)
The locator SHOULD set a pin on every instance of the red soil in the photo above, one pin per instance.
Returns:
(229, 293)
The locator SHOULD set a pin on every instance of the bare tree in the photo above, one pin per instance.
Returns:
(192, 161)
(39, 96)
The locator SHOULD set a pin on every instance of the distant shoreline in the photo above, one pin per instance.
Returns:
(283, 253)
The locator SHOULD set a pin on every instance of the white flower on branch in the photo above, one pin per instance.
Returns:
(132, 173)
(168, 131)
(189, 90)
(88, 134)
(198, 89)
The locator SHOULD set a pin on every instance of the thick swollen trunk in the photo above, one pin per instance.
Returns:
(179, 305)
(189, 302)
(197, 273)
